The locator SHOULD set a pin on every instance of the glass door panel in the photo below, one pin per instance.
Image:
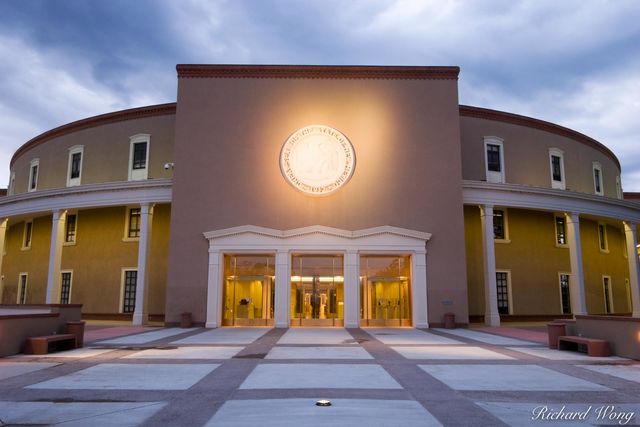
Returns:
(249, 291)
(385, 297)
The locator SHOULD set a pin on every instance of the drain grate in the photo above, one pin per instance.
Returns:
(251, 356)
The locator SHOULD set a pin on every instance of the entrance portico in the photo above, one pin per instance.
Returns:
(325, 242)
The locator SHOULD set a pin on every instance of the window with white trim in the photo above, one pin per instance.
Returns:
(71, 226)
(132, 224)
(74, 168)
(500, 225)
(597, 179)
(65, 287)
(503, 292)
(129, 284)
(561, 231)
(602, 237)
(565, 294)
(494, 159)
(618, 187)
(608, 294)
(556, 160)
(34, 169)
(27, 235)
(139, 156)
(22, 288)
(12, 184)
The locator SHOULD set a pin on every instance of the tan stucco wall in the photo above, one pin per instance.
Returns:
(534, 262)
(103, 145)
(229, 133)
(526, 156)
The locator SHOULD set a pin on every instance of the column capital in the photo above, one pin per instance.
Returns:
(572, 217)
(486, 210)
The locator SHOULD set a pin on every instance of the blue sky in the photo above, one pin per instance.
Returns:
(571, 62)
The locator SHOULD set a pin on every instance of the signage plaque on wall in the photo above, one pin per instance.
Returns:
(317, 160)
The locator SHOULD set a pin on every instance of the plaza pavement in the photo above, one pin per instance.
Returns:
(129, 376)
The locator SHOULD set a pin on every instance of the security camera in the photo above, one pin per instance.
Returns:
(168, 166)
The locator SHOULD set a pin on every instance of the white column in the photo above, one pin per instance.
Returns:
(352, 289)
(283, 289)
(140, 314)
(3, 232)
(631, 233)
(55, 257)
(491, 315)
(214, 289)
(419, 306)
(576, 282)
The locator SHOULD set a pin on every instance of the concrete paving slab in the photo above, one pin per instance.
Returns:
(508, 378)
(629, 373)
(551, 354)
(309, 375)
(120, 376)
(78, 353)
(486, 338)
(78, 414)
(13, 369)
(449, 352)
(146, 336)
(404, 336)
(563, 415)
(225, 336)
(317, 336)
(187, 353)
(304, 413)
(318, 353)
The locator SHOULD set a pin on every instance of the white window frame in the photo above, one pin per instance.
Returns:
(597, 166)
(64, 240)
(70, 284)
(560, 274)
(33, 183)
(127, 217)
(555, 229)
(72, 182)
(139, 174)
(604, 290)
(619, 192)
(559, 185)
(12, 184)
(24, 235)
(123, 276)
(605, 238)
(492, 176)
(19, 293)
(505, 219)
(509, 289)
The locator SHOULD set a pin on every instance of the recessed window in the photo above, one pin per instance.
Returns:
(494, 159)
(34, 170)
(500, 231)
(139, 157)
(70, 229)
(130, 279)
(597, 179)
(74, 173)
(627, 288)
(561, 231)
(27, 235)
(65, 287)
(602, 237)
(133, 223)
(556, 160)
(565, 294)
(503, 294)
(618, 187)
(12, 184)
(22, 288)
(608, 295)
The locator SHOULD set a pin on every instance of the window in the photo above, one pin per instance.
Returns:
(130, 279)
(22, 289)
(65, 288)
(28, 234)
(602, 238)
(557, 169)
(565, 294)
(494, 159)
(12, 184)
(139, 157)
(75, 165)
(502, 284)
(608, 297)
(618, 187)
(597, 179)
(70, 229)
(627, 287)
(33, 174)
(561, 231)
(133, 223)
(499, 230)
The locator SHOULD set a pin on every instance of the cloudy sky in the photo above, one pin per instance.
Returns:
(571, 62)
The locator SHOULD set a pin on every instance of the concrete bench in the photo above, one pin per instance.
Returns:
(595, 347)
(50, 343)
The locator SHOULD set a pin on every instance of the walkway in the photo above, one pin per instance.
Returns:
(274, 377)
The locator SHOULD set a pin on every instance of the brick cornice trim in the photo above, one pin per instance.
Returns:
(103, 119)
(516, 119)
(316, 72)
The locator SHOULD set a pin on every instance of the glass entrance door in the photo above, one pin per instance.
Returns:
(385, 298)
(249, 290)
(317, 290)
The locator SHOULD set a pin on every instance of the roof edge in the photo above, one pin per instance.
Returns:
(516, 119)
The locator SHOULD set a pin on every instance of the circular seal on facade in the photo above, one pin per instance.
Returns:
(317, 160)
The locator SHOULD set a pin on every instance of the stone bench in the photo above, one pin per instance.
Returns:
(50, 343)
(595, 347)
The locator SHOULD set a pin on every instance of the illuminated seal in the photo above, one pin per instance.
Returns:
(317, 160)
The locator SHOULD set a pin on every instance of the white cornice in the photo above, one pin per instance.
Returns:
(522, 196)
(87, 196)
